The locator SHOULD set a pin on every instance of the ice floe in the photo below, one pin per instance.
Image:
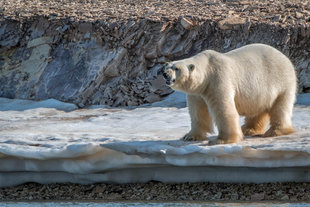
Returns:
(50, 141)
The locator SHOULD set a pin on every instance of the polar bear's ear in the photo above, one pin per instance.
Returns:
(191, 67)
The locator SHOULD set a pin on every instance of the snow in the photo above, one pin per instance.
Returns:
(21, 105)
(50, 141)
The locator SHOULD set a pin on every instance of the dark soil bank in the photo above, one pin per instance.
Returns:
(109, 51)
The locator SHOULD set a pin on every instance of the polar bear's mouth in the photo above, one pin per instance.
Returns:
(170, 82)
(169, 79)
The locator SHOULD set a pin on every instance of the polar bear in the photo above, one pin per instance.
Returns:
(256, 81)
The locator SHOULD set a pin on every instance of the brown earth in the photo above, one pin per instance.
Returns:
(284, 12)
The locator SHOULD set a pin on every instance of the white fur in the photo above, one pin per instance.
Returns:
(256, 81)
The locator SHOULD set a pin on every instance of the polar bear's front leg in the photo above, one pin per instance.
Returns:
(227, 120)
(201, 121)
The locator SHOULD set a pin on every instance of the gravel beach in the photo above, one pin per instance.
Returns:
(156, 191)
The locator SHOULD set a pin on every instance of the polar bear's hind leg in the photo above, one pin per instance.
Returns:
(280, 116)
(255, 126)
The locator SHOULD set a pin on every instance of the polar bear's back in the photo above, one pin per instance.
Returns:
(261, 57)
(263, 74)
(262, 63)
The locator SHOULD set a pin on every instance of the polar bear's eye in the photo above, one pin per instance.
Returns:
(191, 67)
(176, 69)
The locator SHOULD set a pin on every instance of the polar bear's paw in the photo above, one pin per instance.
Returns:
(225, 141)
(216, 141)
(273, 132)
(252, 132)
(193, 137)
(220, 141)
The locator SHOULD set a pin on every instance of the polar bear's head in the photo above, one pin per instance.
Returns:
(178, 74)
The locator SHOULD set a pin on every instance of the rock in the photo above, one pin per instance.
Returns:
(257, 196)
(98, 189)
(64, 28)
(231, 23)
(113, 25)
(119, 100)
(132, 103)
(39, 41)
(10, 34)
(151, 98)
(87, 35)
(85, 27)
(158, 83)
(152, 54)
(114, 196)
(234, 196)
(299, 15)
(285, 198)
(186, 23)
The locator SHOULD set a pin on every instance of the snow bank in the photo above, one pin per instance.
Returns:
(21, 105)
(47, 145)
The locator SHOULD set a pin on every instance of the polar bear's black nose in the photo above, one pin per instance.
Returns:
(166, 76)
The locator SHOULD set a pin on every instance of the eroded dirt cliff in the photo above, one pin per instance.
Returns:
(109, 52)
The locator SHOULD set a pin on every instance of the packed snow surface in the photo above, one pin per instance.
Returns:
(50, 141)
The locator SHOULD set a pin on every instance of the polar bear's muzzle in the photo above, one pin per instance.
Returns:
(169, 79)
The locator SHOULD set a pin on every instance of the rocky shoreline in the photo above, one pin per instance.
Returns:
(108, 52)
(156, 191)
